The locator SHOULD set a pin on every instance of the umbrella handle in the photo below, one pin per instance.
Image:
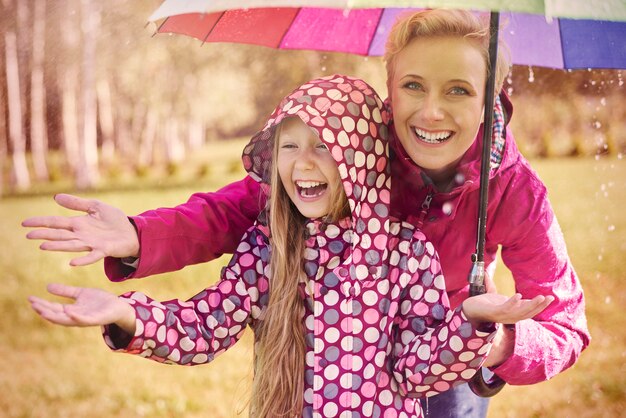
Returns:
(485, 387)
(479, 384)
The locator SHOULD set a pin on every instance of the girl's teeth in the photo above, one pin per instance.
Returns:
(311, 188)
(433, 137)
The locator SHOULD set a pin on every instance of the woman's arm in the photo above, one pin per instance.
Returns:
(534, 250)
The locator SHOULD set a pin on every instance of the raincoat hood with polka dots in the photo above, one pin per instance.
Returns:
(350, 119)
(379, 330)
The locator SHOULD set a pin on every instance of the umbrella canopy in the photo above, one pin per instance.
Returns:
(535, 36)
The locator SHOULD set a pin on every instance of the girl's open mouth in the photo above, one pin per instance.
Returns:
(310, 189)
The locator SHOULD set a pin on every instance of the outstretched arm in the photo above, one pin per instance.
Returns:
(103, 231)
(91, 307)
(166, 239)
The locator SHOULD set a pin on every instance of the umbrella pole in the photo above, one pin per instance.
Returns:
(479, 385)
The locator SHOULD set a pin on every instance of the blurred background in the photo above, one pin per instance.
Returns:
(91, 103)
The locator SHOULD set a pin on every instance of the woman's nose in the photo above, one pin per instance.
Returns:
(432, 109)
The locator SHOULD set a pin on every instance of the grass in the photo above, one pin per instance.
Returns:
(50, 371)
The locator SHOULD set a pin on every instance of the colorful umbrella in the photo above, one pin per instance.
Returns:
(592, 35)
(534, 39)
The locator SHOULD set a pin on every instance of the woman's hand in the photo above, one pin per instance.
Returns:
(104, 231)
(493, 307)
(91, 307)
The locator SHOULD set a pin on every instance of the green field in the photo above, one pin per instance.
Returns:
(50, 371)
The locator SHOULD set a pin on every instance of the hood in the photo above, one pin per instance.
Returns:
(350, 118)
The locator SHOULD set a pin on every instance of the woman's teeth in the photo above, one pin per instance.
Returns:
(433, 137)
(311, 188)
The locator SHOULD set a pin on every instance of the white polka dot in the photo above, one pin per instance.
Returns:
(357, 363)
(368, 408)
(315, 91)
(161, 333)
(328, 136)
(331, 335)
(377, 116)
(200, 358)
(346, 381)
(347, 123)
(443, 334)
(431, 296)
(362, 126)
(449, 377)
(467, 356)
(456, 343)
(318, 382)
(425, 263)
(385, 397)
(331, 298)
(371, 161)
(342, 139)
(466, 374)
(158, 315)
(369, 371)
(359, 159)
(416, 292)
(423, 352)
(366, 111)
(380, 358)
(370, 298)
(331, 372)
(437, 369)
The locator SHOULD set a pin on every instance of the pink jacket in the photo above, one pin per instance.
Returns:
(519, 219)
(378, 324)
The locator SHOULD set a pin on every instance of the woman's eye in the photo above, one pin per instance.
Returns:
(322, 146)
(413, 85)
(459, 91)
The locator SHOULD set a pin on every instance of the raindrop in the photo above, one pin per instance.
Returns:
(620, 79)
(597, 125)
(323, 69)
(603, 101)
(447, 208)
(597, 157)
(531, 75)
(607, 300)
(620, 156)
(600, 257)
(611, 228)
(509, 91)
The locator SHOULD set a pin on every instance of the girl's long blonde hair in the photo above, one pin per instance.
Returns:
(280, 348)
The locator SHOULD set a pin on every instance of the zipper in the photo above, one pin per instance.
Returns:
(424, 211)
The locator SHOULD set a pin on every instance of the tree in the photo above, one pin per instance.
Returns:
(38, 131)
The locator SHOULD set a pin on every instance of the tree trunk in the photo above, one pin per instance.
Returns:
(196, 138)
(87, 175)
(107, 126)
(3, 134)
(174, 147)
(16, 132)
(38, 132)
(146, 146)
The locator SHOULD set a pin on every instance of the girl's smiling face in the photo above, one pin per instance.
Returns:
(306, 168)
(437, 98)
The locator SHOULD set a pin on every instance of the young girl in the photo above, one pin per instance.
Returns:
(348, 308)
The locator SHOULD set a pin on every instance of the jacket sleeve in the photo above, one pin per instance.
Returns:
(195, 331)
(436, 348)
(534, 250)
(202, 229)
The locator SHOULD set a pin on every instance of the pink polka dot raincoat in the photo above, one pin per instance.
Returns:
(379, 329)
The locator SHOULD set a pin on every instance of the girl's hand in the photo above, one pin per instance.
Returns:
(493, 307)
(103, 231)
(91, 307)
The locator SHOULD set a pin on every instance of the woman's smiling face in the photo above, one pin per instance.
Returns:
(437, 97)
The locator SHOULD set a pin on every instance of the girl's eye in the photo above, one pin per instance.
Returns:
(459, 91)
(288, 146)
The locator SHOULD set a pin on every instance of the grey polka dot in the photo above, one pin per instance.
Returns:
(331, 317)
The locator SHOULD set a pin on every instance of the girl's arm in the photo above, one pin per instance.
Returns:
(183, 332)
(437, 348)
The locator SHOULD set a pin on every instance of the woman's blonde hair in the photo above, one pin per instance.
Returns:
(443, 22)
(280, 349)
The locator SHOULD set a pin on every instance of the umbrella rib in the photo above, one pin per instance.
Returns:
(160, 26)
(380, 17)
(280, 42)
(204, 41)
